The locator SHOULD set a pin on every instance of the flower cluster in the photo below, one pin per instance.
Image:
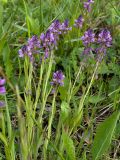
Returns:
(88, 38)
(58, 79)
(79, 22)
(50, 39)
(104, 40)
(87, 5)
(32, 47)
(2, 90)
(46, 42)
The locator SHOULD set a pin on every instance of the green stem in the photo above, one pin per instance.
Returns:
(80, 109)
(45, 84)
(50, 126)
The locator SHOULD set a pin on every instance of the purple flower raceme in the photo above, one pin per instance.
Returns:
(88, 37)
(32, 47)
(79, 22)
(64, 28)
(55, 27)
(87, 5)
(49, 40)
(104, 40)
(46, 42)
(58, 78)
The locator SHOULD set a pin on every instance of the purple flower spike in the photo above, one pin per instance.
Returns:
(55, 27)
(58, 78)
(79, 22)
(105, 38)
(33, 42)
(65, 27)
(46, 42)
(32, 47)
(87, 5)
(89, 37)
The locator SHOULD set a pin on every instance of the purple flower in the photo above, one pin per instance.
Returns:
(32, 47)
(46, 42)
(65, 27)
(33, 42)
(55, 27)
(90, 1)
(2, 88)
(2, 82)
(89, 37)
(22, 51)
(87, 5)
(79, 22)
(49, 40)
(58, 78)
(105, 38)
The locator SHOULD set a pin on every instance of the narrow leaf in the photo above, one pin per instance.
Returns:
(69, 146)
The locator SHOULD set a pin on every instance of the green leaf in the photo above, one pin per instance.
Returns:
(69, 146)
(104, 135)
(7, 60)
(3, 139)
(95, 99)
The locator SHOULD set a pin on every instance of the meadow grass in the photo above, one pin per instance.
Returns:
(43, 119)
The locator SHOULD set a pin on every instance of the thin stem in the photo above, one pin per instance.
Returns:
(50, 126)
(79, 71)
(45, 84)
(80, 109)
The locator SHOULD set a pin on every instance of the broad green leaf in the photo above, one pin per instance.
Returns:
(69, 146)
(104, 135)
